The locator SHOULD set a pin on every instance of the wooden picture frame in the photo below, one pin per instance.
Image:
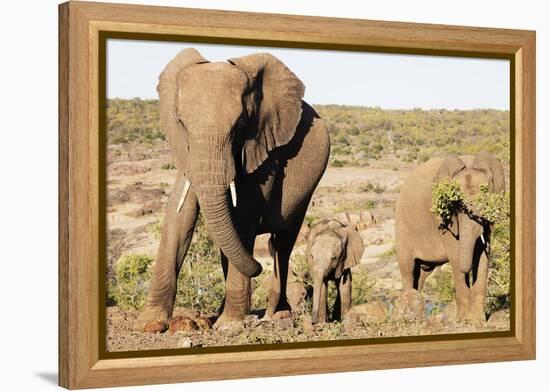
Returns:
(83, 28)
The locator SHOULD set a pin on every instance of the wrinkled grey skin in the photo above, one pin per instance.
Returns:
(421, 245)
(241, 122)
(332, 250)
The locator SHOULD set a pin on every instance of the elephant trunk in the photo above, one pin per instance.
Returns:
(317, 290)
(215, 209)
(211, 171)
(466, 244)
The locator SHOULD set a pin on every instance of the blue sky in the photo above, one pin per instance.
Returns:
(390, 81)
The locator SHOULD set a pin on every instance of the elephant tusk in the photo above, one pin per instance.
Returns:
(482, 239)
(233, 190)
(183, 194)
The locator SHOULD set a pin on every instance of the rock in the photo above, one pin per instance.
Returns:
(155, 326)
(284, 323)
(203, 323)
(360, 220)
(185, 342)
(408, 306)
(441, 320)
(351, 321)
(186, 312)
(499, 319)
(182, 324)
(375, 251)
(372, 312)
(283, 320)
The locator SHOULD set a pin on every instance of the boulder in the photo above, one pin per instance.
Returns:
(185, 312)
(155, 327)
(375, 251)
(182, 324)
(203, 323)
(408, 306)
(372, 312)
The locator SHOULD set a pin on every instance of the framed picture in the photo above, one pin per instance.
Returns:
(246, 195)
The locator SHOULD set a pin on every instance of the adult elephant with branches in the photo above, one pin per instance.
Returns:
(249, 153)
(424, 240)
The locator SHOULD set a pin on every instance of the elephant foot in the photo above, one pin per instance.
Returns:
(284, 314)
(461, 314)
(152, 320)
(477, 317)
(229, 323)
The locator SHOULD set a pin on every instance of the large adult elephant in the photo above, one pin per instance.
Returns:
(249, 153)
(421, 242)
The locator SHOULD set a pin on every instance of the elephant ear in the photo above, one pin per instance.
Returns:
(354, 249)
(167, 89)
(495, 172)
(451, 166)
(314, 231)
(278, 108)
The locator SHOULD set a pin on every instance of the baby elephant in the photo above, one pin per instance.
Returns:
(332, 250)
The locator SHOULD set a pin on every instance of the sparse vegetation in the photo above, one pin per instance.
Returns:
(361, 286)
(388, 254)
(156, 228)
(201, 285)
(128, 288)
(440, 284)
(364, 133)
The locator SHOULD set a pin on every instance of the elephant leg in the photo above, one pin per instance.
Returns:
(337, 308)
(238, 293)
(177, 232)
(323, 305)
(425, 271)
(479, 289)
(462, 291)
(345, 293)
(282, 243)
(277, 300)
(406, 268)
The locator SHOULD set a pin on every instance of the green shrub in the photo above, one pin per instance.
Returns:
(156, 228)
(260, 290)
(372, 187)
(338, 163)
(128, 288)
(168, 166)
(378, 188)
(310, 220)
(440, 284)
(361, 286)
(201, 283)
(388, 254)
(498, 287)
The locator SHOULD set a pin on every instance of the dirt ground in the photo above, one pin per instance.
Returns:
(139, 181)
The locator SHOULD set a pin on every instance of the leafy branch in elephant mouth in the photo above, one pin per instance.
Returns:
(485, 206)
(447, 201)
